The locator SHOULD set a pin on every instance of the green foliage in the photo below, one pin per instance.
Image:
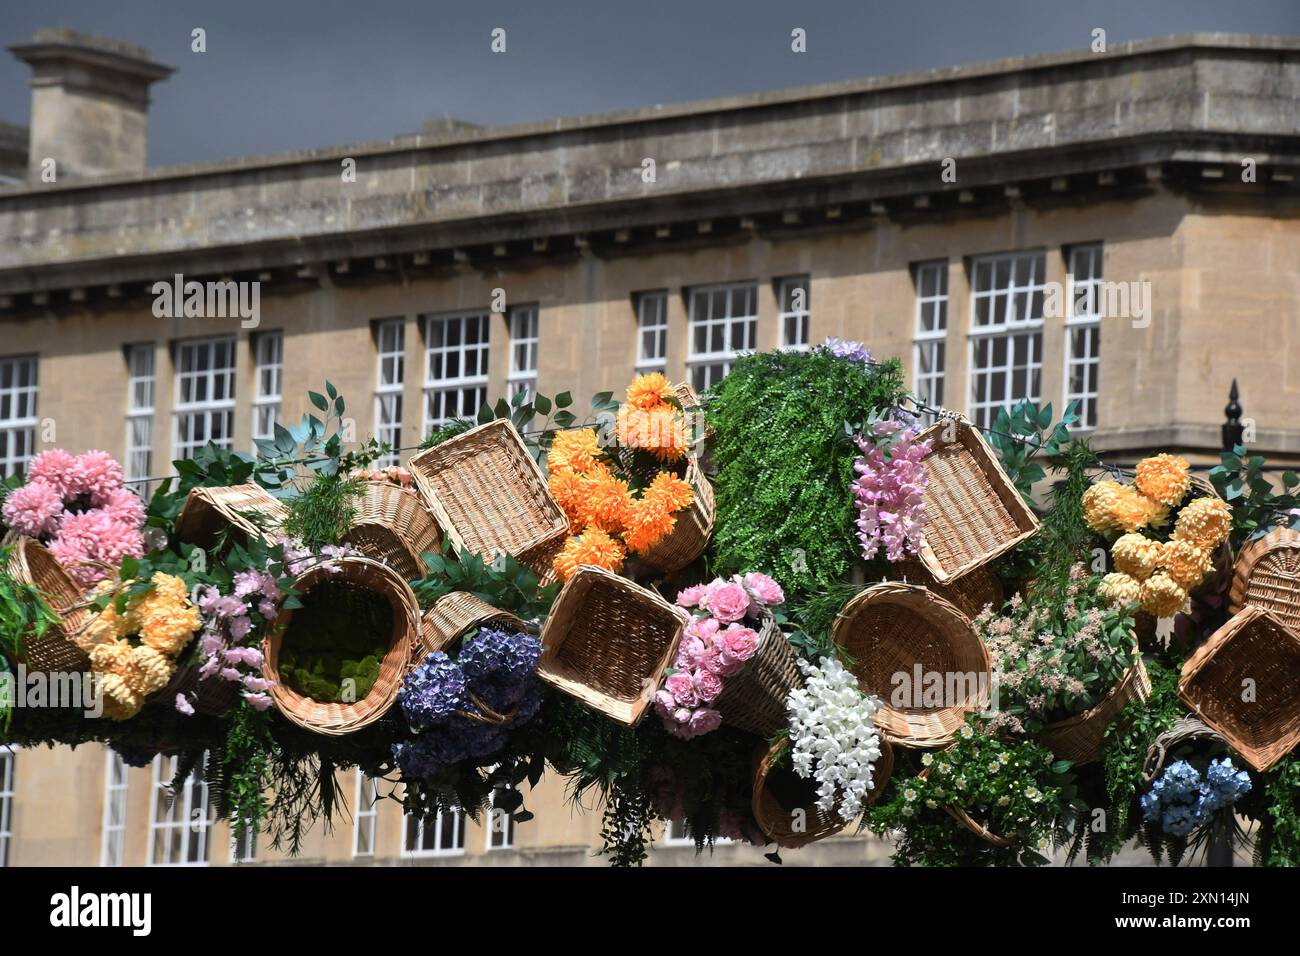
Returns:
(1020, 435)
(312, 447)
(323, 512)
(522, 411)
(440, 434)
(1279, 838)
(246, 768)
(504, 583)
(335, 643)
(785, 464)
(24, 614)
(1064, 538)
(1256, 507)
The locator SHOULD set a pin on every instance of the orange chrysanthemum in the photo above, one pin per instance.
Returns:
(649, 390)
(605, 503)
(591, 547)
(577, 450)
(1204, 522)
(568, 488)
(670, 493)
(1164, 478)
(661, 430)
(648, 523)
(1185, 562)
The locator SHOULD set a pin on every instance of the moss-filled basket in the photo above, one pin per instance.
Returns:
(338, 718)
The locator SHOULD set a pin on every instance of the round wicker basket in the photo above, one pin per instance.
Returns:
(971, 592)
(343, 718)
(55, 651)
(451, 616)
(780, 823)
(1184, 730)
(1267, 575)
(212, 697)
(754, 699)
(904, 632)
(1079, 738)
(393, 526)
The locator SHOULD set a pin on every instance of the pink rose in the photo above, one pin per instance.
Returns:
(764, 590)
(690, 652)
(682, 715)
(739, 642)
(705, 628)
(664, 704)
(682, 688)
(708, 685)
(714, 662)
(728, 666)
(690, 597)
(705, 720)
(728, 602)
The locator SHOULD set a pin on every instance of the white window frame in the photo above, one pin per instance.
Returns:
(440, 383)
(13, 425)
(673, 838)
(523, 324)
(117, 778)
(701, 365)
(268, 379)
(507, 833)
(186, 827)
(457, 821)
(1010, 327)
(141, 400)
(1088, 322)
(390, 382)
(366, 801)
(928, 371)
(209, 407)
(652, 325)
(802, 318)
(8, 759)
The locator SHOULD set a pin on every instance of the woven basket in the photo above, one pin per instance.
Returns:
(451, 616)
(895, 629)
(1183, 730)
(607, 643)
(777, 820)
(1267, 575)
(1253, 646)
(754, 699)
(337, 719)
(1079, 738)
(209, 511)
(487, 494)
(691, 531)
(692, 406)
(213, 697)
(971, 592)
(30, 562)
(973, 511)
(392, 525)
(970, 823)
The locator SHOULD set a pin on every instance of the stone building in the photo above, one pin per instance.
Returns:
(1121, 229)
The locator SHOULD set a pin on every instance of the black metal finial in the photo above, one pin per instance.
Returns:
(1232, 430)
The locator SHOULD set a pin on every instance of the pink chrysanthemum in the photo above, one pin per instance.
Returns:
(74, 554)
(87, 539)
(125, 507)
(59, 469)
(101, 475)
(34, 509)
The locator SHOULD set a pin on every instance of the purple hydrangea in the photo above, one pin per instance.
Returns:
(501, 657)
(847, 349)
(433, 691)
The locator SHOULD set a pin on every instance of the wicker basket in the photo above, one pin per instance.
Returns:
(30, 562)
(1267, 575)
(1079, 738)
(392, 525)
(487, 493)
(973, 511)
(971, 592)
(1183, 730)
(754, 699)
(777, 820)
(691, 406)
(607, 643)
(899, 629)
(690, 534)
(209, 511)
(212, 697)
(453, 615)
(337, 719)
(1254, 649)
(970, 823)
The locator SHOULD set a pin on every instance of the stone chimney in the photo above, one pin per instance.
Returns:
(90, 103)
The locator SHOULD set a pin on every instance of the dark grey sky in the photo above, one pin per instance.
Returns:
(294, 74)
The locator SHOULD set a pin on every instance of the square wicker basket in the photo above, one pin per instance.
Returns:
(607, 643)
(1254, 651)
(973, 511)
(487, 494)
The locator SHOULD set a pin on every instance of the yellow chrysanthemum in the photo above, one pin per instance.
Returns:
(149, 671)
(591, 547)
(1162, 595)
(578, 450)
(1164, 478)
(648, 523)
(169, 587)
(1099, 505)
(167, 627)
(1117, 590)
(1185, 562)
(649, 390)
(111, 657)
(669, 493)
(120, 701)
(1135, 555)
(1204, 522)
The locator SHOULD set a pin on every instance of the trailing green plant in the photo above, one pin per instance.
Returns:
(503, 582)
(1278, 840)
(1257, 507)
(784, 463)
(24, 614)
(246, 770)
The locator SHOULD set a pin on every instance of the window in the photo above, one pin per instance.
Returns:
(113, 844)
(443, 835)
(268, 370)
(931, 330)
(363, 823)
(6, 802)
(1083, 332)
(676, 834)
(652, 331)
(1006, 332)
(390, 377)
(17, 413)
(456, 367)
(523, 350)
(243, 850)
(500, 825)
(795, 298)
(205, 395)
(723, 323)
(140, 390)
(178, 824)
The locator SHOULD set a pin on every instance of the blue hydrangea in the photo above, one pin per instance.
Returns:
(1182, 800)
(499, 656)
(433, 691)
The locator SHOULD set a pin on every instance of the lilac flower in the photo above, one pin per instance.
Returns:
(890, 491)
(184, 706)
(258, 701)
(240, 626)
(846, 349)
